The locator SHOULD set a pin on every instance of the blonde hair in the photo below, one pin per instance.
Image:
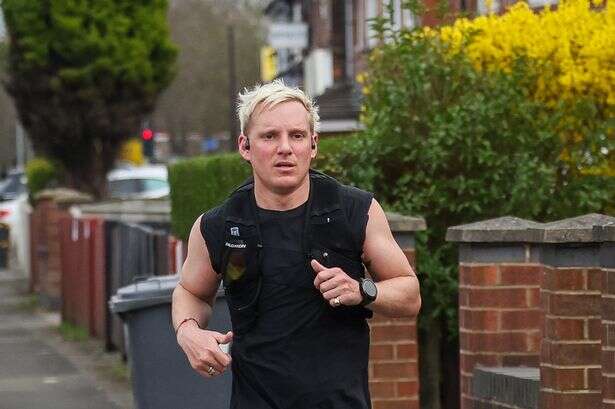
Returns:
(270, 95)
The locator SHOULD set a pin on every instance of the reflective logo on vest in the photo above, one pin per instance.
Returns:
(235, 245)
(235, 231)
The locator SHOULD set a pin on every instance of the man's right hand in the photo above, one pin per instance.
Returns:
(202, 348)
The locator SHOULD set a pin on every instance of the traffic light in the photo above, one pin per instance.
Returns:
(147, 137)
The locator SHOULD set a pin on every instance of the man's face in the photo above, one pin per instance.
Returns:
(280, 145)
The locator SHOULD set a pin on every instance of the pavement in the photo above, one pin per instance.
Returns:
(40, 369)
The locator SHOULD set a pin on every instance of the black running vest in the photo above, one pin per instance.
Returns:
(291, 349)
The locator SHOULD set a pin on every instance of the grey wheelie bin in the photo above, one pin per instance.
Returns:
(161, 375)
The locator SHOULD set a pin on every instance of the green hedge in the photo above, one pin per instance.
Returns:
(204, 182)
(201, 183)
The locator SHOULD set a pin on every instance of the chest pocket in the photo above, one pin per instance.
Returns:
(330, 258)
(238, 253)
(331, 231)
(241, 258)
(332, 245)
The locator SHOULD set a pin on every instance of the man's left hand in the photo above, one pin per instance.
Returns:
(336, 287)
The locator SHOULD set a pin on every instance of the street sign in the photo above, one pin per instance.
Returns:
(288, 35)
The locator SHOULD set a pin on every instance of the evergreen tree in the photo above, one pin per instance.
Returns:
(83, 74)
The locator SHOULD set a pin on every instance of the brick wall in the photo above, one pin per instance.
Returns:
(499, 318)
(393, 362)
(574, 259)
(46, 253)
(608, 321)
(319, 18)
(570, 366)
(46, 262)
(499, 311)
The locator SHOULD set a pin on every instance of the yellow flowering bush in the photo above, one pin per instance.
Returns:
(576, 41)
(573, 50)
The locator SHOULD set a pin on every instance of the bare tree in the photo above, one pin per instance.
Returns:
(197, 100)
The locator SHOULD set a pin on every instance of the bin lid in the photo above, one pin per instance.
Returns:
(146, 293)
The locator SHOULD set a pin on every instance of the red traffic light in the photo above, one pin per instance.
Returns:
(147, 134)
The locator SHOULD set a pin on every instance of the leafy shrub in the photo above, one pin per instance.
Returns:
(41, 174)
(457, 145)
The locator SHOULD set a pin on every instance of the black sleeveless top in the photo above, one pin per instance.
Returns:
(299, 354)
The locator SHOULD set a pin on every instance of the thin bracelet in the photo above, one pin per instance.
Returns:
(182, 322)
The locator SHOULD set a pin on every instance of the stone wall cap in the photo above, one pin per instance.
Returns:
(608, 232)
(127, 211)
(501, 229)
(517, 387)
(524, 372)
(63, 195)
(591, 227)
(149, 206)
(400, 223)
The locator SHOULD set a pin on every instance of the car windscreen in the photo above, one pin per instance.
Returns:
(119, 188)
(11, 187)
(154, 184)
(128, 187)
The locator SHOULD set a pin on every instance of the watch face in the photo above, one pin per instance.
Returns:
(369, 288)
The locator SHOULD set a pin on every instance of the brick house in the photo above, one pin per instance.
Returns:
(339, 40)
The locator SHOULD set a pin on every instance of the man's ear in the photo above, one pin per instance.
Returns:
(243, 145)
(314, 145)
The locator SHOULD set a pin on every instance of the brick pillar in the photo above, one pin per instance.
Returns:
(51, 206)
(393, 362)
(47, 254)
(607, 260)
(499, 288)
(571, 363)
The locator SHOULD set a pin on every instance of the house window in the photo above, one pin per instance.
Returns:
(408, 19)
(541, 3)
(371, 11)
(481, 6)
(402, 17)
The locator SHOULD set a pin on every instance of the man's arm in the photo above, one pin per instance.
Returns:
(193, 300)
(398, 286)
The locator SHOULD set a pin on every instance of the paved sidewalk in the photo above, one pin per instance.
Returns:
(38, 369)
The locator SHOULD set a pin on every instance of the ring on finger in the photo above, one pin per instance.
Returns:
(337, 302)
(211, 371)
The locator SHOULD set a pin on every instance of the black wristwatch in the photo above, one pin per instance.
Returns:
(369, 291)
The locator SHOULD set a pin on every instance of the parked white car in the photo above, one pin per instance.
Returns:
(141, 182)
(14, 212)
